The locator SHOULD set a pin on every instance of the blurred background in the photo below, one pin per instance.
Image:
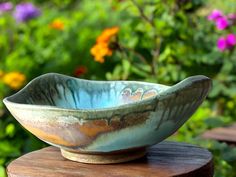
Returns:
(147, 40)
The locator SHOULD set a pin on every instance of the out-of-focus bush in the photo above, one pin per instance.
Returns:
(58, 39)
(154, 41)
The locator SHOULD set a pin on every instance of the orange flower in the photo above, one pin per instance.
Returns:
(107, 34)
(101, 48)
(99, 51)
(15, 80)
(57, 24)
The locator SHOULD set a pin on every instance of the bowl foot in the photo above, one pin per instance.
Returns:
(117, 157)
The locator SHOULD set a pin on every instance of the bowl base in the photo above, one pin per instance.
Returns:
(104, 158)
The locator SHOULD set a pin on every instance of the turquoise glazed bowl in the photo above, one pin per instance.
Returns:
(104, 121)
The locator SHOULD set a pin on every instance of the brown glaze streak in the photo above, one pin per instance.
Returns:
(77, 135)
(93, 128)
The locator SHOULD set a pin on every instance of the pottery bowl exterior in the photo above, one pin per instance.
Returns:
(104, 116)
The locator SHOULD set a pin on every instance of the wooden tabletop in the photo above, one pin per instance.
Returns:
(166, 159)
(224, 134)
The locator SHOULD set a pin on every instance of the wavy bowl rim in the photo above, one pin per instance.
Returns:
(147, 101)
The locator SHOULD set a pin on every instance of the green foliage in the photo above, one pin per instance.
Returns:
(158, 41)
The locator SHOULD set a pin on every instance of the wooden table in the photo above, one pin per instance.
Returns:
(223, 134)
(166, 159)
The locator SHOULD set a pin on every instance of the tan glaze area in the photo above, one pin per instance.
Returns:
(48, 137)
(74, 135)
(149, 94)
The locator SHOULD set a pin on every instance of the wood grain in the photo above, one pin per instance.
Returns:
(225, 134)
(167, 159)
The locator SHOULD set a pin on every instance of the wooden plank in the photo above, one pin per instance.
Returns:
(225, 134)
(233, 126)
(166, 159)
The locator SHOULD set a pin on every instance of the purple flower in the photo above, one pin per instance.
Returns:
(222, 44)
(214, 15)
(25, 12)
(222, 23)
(231, 40)
(5, 6)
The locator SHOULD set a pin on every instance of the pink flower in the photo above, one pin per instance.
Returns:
(227, 42)
(231, 40)
(222, 23)
(222, 44)
(214, 15)
(231, 16)
(5, 6)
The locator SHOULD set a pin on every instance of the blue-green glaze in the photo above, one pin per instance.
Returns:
(105, 116)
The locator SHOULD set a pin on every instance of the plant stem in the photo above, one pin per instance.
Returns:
(140, 56)
(123, 50)
(142, 13)
(155, 56)
(157, 45)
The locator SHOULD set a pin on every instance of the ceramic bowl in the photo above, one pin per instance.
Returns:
(104, 121)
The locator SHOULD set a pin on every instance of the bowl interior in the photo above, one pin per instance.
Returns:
(68, 92)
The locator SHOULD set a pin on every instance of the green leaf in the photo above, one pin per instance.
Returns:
(2, 172)
(10, 130)
(126, 69)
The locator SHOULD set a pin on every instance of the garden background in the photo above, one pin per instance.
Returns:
(147, 40)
